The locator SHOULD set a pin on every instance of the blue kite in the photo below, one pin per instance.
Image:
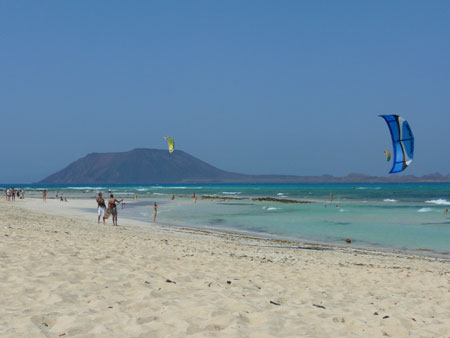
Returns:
(402, 142)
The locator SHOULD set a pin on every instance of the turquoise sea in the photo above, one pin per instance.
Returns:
(383, 216)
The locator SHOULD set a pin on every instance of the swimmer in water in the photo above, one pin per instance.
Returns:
(155, 211)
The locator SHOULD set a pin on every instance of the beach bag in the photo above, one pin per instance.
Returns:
(107, 213)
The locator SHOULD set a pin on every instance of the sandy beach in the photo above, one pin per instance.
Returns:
(64, 275)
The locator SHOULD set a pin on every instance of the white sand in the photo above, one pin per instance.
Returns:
(61, 274)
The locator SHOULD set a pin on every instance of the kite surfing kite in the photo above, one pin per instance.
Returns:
(171, 143)
(402, 142)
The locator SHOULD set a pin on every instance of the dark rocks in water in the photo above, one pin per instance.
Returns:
(217, 197)
(280, 200)
(348, 240)
(255, 199)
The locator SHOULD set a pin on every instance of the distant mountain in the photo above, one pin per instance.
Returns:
(140, 166)
(155, 166)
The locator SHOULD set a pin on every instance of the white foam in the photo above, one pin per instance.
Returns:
(85, 188)
(424, 210)
(439, 202)
(161, 187)
(281, 194)
(159, 194)
(231, 192)
(389, 200)
(271, 208)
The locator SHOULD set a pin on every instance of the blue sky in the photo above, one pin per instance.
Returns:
(261, 87)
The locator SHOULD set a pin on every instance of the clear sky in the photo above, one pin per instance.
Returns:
(260, 87)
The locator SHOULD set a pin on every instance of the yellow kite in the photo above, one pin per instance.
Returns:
(171, 143)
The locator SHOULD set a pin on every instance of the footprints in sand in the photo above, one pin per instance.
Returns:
(78, 279)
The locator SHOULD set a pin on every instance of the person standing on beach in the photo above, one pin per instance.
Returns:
(194, 198)
(13, 195)
(101, 206)
(445, 211)
(173, 197)
(155, 211)
(44, 195)
(331, 197)
(112, 208)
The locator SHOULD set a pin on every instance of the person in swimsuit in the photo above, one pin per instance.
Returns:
(101, 206)
(155, 211)
(112, 208)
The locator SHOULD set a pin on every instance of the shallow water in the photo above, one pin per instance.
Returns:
(392, 216)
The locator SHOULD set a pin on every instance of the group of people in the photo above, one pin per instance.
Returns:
(104, 212)
(11, 194)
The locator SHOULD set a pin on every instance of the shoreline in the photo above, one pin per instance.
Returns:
(290, 242)
(242, 236)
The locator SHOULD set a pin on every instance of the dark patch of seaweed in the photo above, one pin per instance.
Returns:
(256, 199)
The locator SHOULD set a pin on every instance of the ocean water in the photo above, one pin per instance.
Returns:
(382, 216)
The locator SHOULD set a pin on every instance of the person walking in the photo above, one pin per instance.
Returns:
(155, 211)
(112, 208)
(101, 206)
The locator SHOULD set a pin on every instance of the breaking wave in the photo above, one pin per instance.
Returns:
(439, 201)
